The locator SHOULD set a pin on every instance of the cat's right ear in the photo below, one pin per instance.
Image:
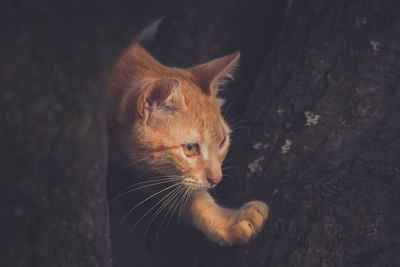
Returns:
(161, 97)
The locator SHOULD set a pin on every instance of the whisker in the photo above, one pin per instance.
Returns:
(182, 201)
(155, 179)
(187, 199)
(239, 122)
(237, 129)
(230, 104)
(175, 197)
(148, 180)
(176, 206)
(124, 192)
(135, 162)
(226, 161)
(137, 222)
(230, 167)
(162, 206)
(143, 201)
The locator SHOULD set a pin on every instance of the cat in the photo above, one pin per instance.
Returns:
(167, 120)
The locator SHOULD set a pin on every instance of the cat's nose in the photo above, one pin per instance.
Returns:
(214, 180)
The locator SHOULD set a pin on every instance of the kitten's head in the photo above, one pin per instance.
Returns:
(172, 116)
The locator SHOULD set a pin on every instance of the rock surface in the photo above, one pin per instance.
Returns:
(314, 107)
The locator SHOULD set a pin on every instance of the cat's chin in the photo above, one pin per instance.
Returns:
(198, 188)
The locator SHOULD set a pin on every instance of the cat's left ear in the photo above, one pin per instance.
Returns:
(162, 97)
(213, 74)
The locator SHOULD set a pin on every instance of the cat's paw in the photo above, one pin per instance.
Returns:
(251, 219)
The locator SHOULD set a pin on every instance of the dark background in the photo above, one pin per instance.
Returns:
(334, 195)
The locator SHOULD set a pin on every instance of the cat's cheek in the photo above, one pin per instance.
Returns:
(223, 154)
(193, 160)
(196, 166)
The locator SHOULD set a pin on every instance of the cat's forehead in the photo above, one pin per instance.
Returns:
(210, 126)
(199, 119)
(200, 125)
(216, 133)
(206, 111)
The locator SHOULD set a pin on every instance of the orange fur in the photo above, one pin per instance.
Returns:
(153, 110)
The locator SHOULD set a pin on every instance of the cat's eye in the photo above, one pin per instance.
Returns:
(191, 149)
(223, 142)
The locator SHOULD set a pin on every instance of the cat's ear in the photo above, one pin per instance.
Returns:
(212, 75)
(163, 96)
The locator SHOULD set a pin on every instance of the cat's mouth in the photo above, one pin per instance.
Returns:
(196, 184)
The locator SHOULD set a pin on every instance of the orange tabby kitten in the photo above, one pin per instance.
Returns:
(168, 121)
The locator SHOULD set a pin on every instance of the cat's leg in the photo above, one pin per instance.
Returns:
(227, 226)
